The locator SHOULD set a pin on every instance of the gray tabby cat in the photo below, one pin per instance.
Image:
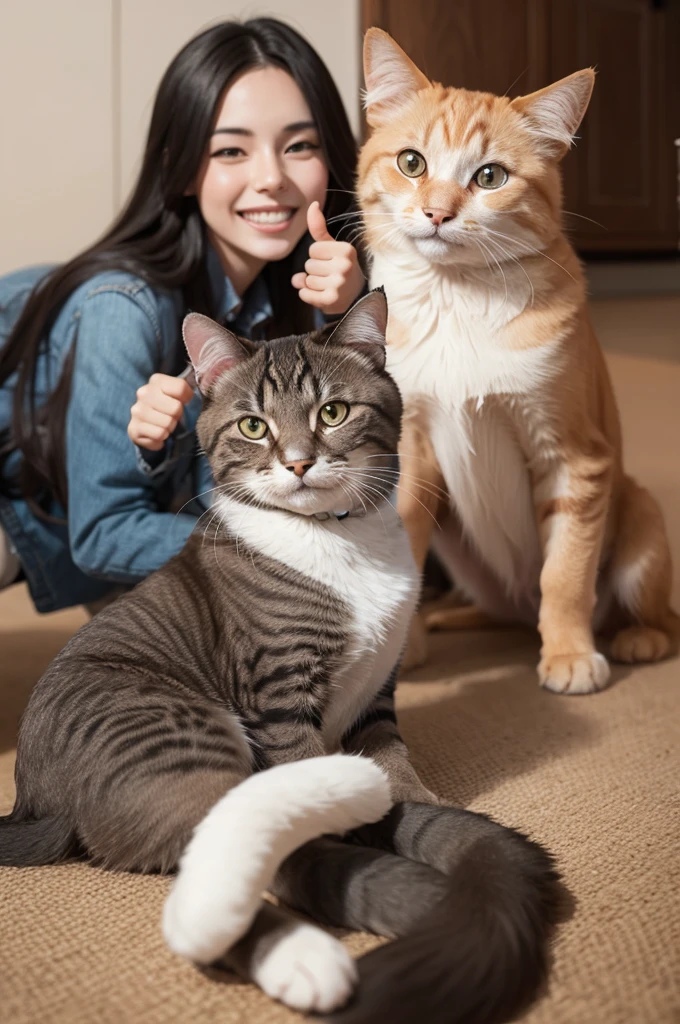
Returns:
(213, 717)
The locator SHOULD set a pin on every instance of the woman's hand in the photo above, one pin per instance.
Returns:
(333, 278)
(158, 410)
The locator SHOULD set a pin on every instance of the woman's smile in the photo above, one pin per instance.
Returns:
(269, 219)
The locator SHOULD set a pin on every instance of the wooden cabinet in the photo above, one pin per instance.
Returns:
(623, 172)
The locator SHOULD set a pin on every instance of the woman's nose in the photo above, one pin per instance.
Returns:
(268, 175)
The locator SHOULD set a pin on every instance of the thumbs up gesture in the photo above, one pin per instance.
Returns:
(332, 278)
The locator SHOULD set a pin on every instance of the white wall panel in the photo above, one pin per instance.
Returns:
(56, 128)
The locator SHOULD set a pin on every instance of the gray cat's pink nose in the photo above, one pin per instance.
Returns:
(299, 467)
(438, 216)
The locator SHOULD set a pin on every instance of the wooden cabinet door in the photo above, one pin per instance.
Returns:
(622, 173)
(492, 46)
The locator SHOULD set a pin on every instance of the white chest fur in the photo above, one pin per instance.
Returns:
(450, 362)
(367, 562)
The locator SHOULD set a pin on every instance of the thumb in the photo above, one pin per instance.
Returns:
(316, 223)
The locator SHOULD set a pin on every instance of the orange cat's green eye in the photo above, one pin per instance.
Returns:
(411, 163)
(253, 428)
(491, 176)
(334, 413)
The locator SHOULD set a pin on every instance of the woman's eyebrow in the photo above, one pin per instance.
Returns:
(297, 126)
(233, 131)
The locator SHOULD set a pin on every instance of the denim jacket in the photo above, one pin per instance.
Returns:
(123, 520)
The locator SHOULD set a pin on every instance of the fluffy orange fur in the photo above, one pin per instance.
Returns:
(512, 441)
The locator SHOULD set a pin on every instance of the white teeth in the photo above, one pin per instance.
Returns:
(268, 217)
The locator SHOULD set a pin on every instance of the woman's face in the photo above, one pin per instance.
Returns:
(263, 168)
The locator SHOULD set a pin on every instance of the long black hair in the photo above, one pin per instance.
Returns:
(160, 235)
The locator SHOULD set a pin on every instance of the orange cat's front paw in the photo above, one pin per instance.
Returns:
(574, 673)
(640, 643)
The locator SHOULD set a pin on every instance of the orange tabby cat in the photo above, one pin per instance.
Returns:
(511, 438)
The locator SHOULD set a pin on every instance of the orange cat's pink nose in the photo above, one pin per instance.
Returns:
(438, 216)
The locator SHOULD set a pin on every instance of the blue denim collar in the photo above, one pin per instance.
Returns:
(242, 315)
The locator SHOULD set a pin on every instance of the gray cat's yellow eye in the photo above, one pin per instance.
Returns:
(491, 176)
(411, 163)
(334, 413)
(253, 427)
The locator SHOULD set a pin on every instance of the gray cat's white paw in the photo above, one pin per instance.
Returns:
(308, 970)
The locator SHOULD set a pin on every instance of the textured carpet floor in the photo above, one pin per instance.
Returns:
(596, 779)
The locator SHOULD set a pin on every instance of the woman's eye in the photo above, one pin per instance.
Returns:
(253, 427)
(411, 163)
(334, 413)
(231, 151)
(303, 146)
(491, 176)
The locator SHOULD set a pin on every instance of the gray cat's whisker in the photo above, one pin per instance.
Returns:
(194, 497)
(352, 497)
(424, 485)
(360, 497)
(365, 487)
(402, 473)
(416, 498)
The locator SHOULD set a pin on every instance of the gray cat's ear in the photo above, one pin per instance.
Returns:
(213, 350)
(391, 77)
(554, 113)
(364, 326)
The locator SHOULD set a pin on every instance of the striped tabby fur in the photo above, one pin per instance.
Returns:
(212, 718)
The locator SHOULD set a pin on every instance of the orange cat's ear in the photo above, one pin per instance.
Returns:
(556, 111)
(391, 77)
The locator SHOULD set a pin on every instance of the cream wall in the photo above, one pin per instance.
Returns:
(77, 79)
(56, 141)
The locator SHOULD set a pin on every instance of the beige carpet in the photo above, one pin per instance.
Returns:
(596, 779)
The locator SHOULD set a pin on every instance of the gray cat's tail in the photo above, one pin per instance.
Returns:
(471, 906)
(29, 842)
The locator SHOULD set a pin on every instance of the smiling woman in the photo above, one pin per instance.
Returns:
(246, 182)
(264, 168)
